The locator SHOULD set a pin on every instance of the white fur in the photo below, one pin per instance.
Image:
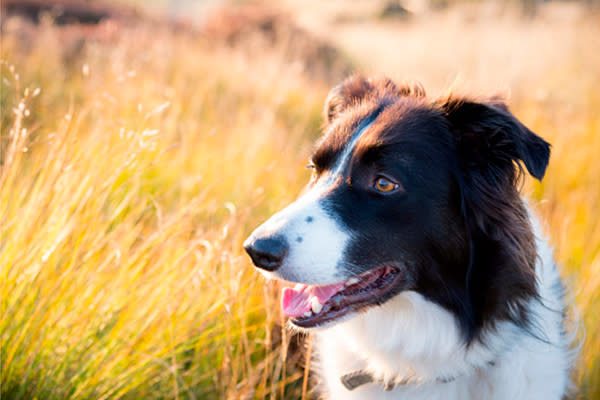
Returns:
(312, 260)
(316, 240)
(411, 336)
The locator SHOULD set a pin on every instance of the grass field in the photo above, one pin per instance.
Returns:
(134, 165)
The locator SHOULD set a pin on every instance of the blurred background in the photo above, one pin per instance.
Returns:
(142, 141)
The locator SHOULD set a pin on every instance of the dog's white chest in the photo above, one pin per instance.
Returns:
(410, 335)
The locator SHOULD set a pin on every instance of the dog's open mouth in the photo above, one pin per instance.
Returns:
(312, 305)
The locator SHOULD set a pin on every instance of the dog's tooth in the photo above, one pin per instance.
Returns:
(315, 306)
(307, 313)
(352, 281)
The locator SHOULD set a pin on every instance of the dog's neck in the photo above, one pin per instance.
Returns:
(421, 343)
(410, 336)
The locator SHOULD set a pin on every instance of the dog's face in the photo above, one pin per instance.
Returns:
(406, 194)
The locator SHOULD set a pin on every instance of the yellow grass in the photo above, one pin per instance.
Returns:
(132, 171)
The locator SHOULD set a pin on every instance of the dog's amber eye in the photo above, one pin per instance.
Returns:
(384, 185)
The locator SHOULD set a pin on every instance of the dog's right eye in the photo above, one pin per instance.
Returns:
(384, 185)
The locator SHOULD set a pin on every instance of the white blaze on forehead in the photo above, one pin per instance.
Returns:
(344, 158)
(316, 239)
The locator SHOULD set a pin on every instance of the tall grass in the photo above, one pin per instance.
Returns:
(129, 180)
(132, 168)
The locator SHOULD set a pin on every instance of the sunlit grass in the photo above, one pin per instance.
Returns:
(132, 170)
(129, 179)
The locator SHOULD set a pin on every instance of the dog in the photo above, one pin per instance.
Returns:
(412, 256)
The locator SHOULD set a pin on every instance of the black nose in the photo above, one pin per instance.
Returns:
(267, 253)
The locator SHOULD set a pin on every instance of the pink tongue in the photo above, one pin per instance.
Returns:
(296, 301)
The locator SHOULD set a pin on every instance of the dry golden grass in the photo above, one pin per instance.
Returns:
(133, 169)
(129, 180)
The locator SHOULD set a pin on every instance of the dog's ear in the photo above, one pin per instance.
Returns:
(358, 88)
(490, 138)
(500, 274)
(350, 91)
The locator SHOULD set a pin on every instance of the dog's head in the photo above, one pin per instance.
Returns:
(408, 193)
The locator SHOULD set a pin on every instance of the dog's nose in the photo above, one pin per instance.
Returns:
(267, 253)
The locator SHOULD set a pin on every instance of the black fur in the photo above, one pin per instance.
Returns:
(457, 227)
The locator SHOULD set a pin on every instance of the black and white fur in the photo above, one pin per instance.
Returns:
(480, 313)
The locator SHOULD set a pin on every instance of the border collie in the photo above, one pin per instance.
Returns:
(416, 263)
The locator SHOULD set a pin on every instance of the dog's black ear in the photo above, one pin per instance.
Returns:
(358, 88)
(500, 274)
(490, 137)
